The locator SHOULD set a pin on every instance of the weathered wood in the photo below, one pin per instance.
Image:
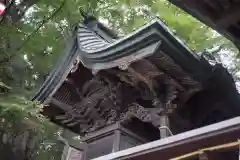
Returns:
(220, 15)
(164, 126)
(60, 104)
(177, 145)
(116, 141)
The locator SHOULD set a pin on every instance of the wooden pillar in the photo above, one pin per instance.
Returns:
(163, 121)
(164, 126)
(116, 141)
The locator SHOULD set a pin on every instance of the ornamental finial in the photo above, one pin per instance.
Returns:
(88, 18)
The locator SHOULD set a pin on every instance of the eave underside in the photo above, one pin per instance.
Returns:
(222, 16)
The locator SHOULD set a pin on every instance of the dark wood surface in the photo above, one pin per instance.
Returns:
(177, 145)
(112, 138)
(222, 16)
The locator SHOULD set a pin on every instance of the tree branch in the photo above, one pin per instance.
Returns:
(7, 59)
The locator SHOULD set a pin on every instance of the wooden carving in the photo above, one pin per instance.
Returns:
(113, 95)
(136, 111)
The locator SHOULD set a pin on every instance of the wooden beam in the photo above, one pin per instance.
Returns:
(69, 121)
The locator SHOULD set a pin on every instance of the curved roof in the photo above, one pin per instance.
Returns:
(97, 53)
